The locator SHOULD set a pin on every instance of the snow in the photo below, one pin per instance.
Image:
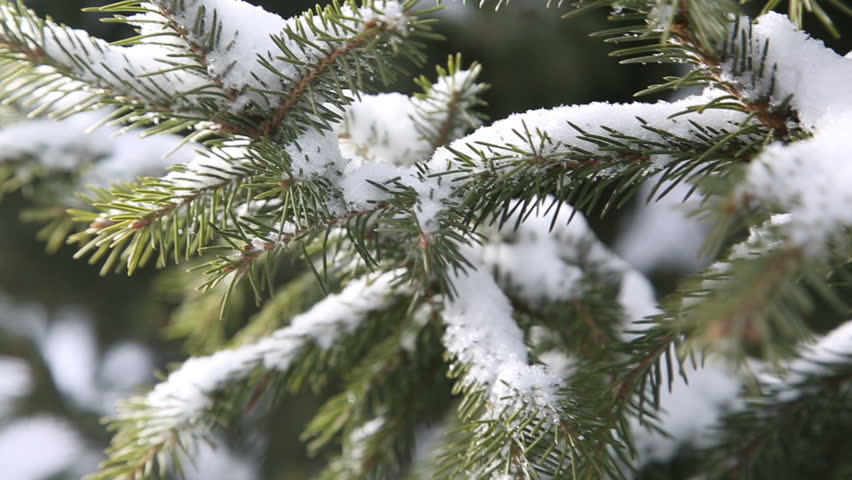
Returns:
(315, 153)
(660, 234)
(636, 297)
(59, 145)
(131, 71)
(37, 448)
(688, 413)
(833, 348)
(243, 37)
(552, 128)
(482, 335)
(398, 129)
(541, 264)
(102, 157)
(547, 133)
(814, 358)
(379, 139)
(809, 179)
(358, 189)
(382, 128)
(804, 69)
(188, 391)
(70, 351)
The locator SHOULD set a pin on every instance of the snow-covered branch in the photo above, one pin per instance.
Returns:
(178, 409)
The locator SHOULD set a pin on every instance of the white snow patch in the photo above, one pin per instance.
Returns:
(37, 448)
(70, 350)
(660, 234)
(482, 334)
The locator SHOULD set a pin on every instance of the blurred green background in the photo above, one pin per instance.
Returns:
(531, 59)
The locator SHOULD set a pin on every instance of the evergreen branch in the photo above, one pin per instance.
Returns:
(139, 75)
(521, 409)
(270, 126)
(174, 215)
(396, 392)
(609, 144)
(806, 403)
(299, 72)
(446, 109)
(267, 241)
(152, 430)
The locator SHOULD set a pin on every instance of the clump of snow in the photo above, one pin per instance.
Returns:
(558, 363)
(797, 67)
(315, 153)
(401, 130)
(102, 157)
(636, 297)
(810, 180)
(382, 128)
(379, 139)
(688, 413)
(833, 348)
(59, 145)
(358, 187)
(543, 263)
(482, 335)
(660, 234)
(38, 447)
(70, 350)
(815, 358)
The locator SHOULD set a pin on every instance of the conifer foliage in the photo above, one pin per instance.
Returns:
(431, 269)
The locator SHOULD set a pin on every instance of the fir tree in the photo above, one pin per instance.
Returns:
(429, 268)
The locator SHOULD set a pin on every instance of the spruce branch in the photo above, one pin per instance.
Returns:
(804, 401)
(154, 429)
(172, 216)
(142, 78)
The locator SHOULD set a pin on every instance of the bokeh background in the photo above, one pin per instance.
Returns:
(72, 343)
